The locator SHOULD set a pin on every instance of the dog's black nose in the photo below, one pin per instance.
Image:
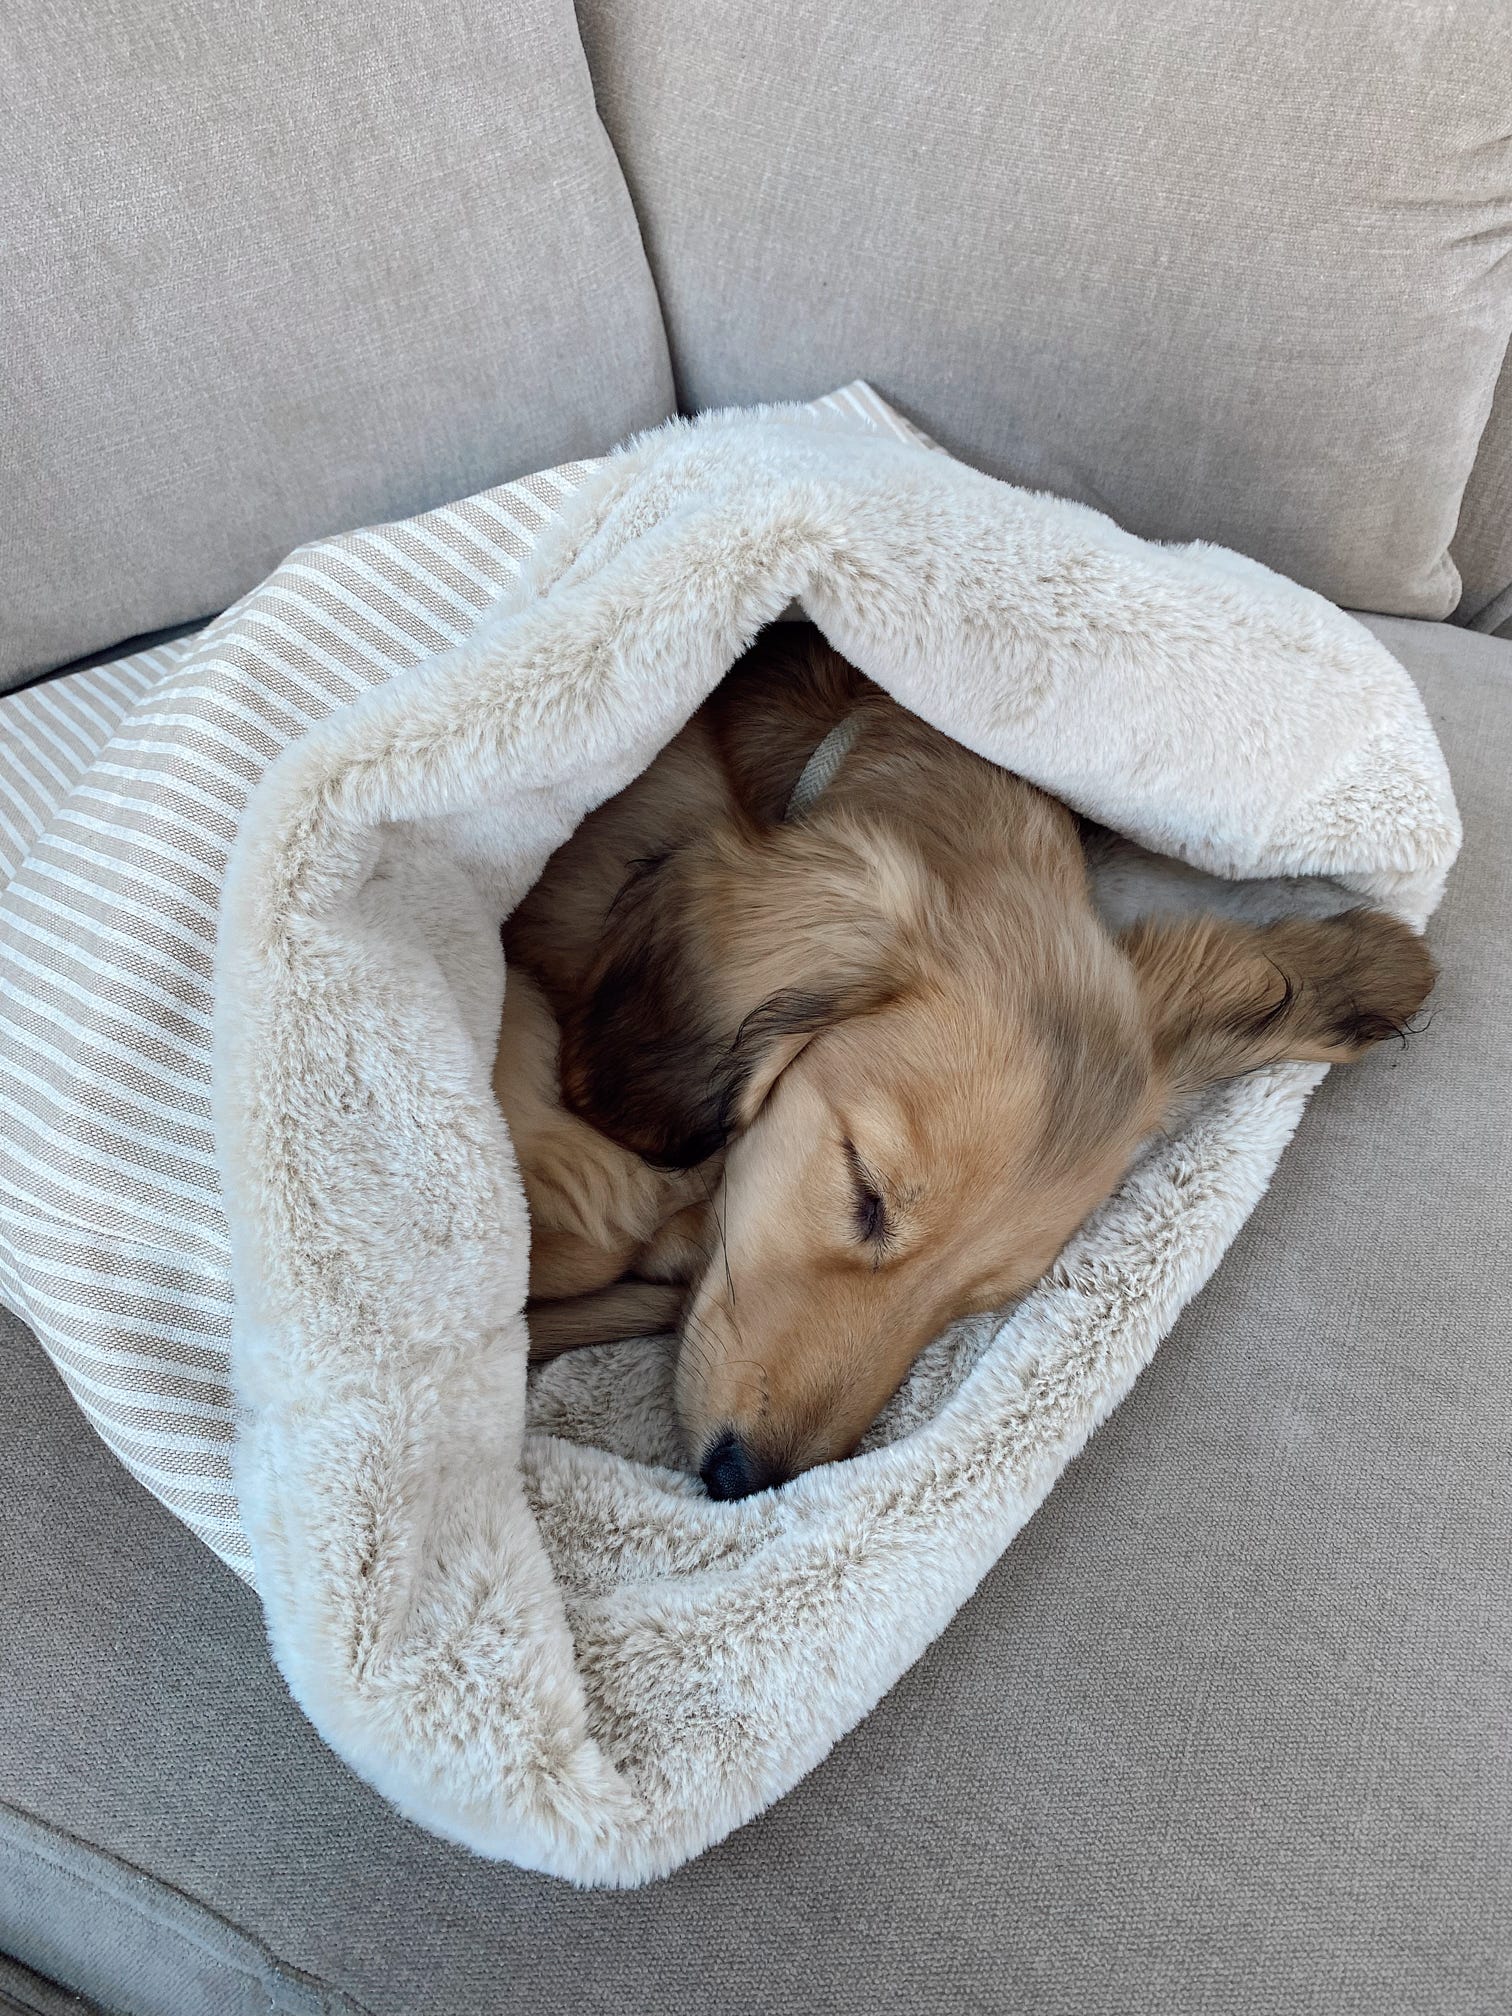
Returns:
(731, 1470)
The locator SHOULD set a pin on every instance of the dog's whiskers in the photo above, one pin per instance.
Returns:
(716, 1207)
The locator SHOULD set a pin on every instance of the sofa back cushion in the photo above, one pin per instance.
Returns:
(1482, 548)
(1229, 271)
(273, 271)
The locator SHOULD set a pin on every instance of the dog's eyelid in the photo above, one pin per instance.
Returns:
(871, 1206)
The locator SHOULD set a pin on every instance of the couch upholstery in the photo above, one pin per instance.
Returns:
(272, 272)
(1225, 1730)
(1482, 549)
(1228, 272)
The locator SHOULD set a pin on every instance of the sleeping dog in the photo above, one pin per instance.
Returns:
(815, 1040)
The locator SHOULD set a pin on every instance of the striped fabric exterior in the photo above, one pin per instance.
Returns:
(120, 792)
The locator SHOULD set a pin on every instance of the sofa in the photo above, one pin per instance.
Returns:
(1227, 1728)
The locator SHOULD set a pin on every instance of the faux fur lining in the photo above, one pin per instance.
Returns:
(539, 1647)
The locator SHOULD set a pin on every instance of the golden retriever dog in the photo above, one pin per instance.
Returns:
(815, 1068)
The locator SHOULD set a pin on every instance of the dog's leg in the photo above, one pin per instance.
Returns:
(628, 1309)
(593, 1204)
(679, 1250)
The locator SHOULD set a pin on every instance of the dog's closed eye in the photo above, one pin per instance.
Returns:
(868, 1205)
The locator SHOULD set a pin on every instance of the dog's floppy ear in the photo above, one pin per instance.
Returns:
(1222, 998)
(720, 962)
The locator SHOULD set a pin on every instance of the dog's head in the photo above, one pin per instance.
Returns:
(922, 1089)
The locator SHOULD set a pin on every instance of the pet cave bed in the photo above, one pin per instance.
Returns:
(500, 1598)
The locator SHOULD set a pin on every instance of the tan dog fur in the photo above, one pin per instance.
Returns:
(853, 1075)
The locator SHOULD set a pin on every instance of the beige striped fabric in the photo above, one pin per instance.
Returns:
(120, 792)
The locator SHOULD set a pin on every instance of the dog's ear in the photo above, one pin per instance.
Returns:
(1221, 998)
(636, 1046)
(720, 962)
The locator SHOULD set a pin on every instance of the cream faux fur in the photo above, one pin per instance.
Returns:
(539, 1646)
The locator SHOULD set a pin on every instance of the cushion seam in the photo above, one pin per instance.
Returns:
(29, 1834)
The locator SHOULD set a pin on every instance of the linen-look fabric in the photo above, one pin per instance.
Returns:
(273, 271)
(1227, 272)
(1483, 543)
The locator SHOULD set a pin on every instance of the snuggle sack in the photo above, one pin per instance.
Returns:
(500, 1597)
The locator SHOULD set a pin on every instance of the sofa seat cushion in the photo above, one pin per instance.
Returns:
(1224, 1729)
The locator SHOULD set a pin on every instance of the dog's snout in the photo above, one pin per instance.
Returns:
(732, 1470)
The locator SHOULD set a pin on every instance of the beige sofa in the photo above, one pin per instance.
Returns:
(1227, 1729)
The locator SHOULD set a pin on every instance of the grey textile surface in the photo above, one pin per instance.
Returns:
(131, 1941)
(276, 271)
(1225, 1731)
(23, 1993)
(1228, 272)
(1483, 543)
